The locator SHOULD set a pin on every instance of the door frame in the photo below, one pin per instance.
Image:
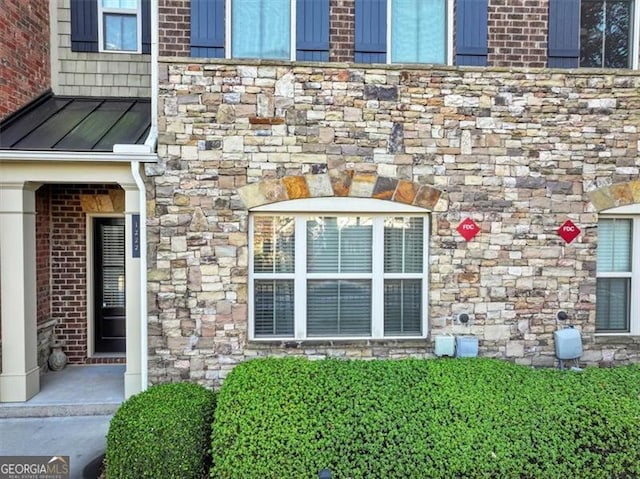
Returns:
(91, 293)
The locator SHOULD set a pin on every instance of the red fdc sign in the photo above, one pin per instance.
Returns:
(468, 229)
(568, 231)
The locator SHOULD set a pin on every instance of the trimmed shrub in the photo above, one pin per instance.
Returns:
(471, 418)
(161, 433)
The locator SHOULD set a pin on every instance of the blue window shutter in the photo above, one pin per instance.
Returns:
(564, 33)
(312, 30)
(471, 32)
(84, 25)
(371, 31)
(207, 28)
(146, 26)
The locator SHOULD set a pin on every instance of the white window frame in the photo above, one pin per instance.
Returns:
(120, 11)
(629, 212)
(448, 31)
(228, 30)
(376, 209)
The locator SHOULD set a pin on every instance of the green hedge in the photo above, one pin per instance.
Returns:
(464, 418)
(161, 433)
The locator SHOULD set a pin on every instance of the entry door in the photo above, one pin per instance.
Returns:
(109, 287)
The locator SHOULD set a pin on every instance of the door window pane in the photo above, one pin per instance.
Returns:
(339, 308)
(261, 29)
(612, 305)
(113, 267)
(418, 29)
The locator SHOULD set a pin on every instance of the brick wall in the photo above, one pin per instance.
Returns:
(24, 52)
(43, 244)
(341, 30)
(517, 35)
(517, 31)
(69, 266)
(68, 270)
(175, 27)
(46, 324)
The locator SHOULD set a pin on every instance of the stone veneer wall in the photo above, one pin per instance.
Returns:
(519, 152)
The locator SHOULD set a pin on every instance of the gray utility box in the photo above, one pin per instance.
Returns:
(568, 343)
(466, 346)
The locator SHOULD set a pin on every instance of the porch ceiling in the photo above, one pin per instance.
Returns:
(64, 123)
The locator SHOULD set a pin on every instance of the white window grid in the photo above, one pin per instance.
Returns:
(377, 276)
(634, 275)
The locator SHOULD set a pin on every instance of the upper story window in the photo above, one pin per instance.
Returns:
(605, 33)
(329, 275)
(593, 33)
(421, 31)
(120, 26)
(273, 29)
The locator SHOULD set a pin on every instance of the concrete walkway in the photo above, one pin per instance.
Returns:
(69, 417)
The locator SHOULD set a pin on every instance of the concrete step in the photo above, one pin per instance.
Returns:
(74, 391)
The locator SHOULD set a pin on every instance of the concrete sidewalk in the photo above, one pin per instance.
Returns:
(69, 417)
(82, 438)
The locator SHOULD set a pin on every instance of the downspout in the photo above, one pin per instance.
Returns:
(135, 172)
(151, 143)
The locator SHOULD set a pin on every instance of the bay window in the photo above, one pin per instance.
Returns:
(333, 276)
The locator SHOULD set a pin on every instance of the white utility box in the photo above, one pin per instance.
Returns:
(445, 346)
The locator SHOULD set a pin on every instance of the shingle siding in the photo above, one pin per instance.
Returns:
(96, 74)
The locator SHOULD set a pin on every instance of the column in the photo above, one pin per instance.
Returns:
(133, 374)
(20, 378)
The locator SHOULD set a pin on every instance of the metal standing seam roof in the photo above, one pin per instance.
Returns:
(65, 123)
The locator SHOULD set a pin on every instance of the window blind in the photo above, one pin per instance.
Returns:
(261, 29)
(614, 245)
(612, 306)
(339, 245)
(339, 308)
(418, 31)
